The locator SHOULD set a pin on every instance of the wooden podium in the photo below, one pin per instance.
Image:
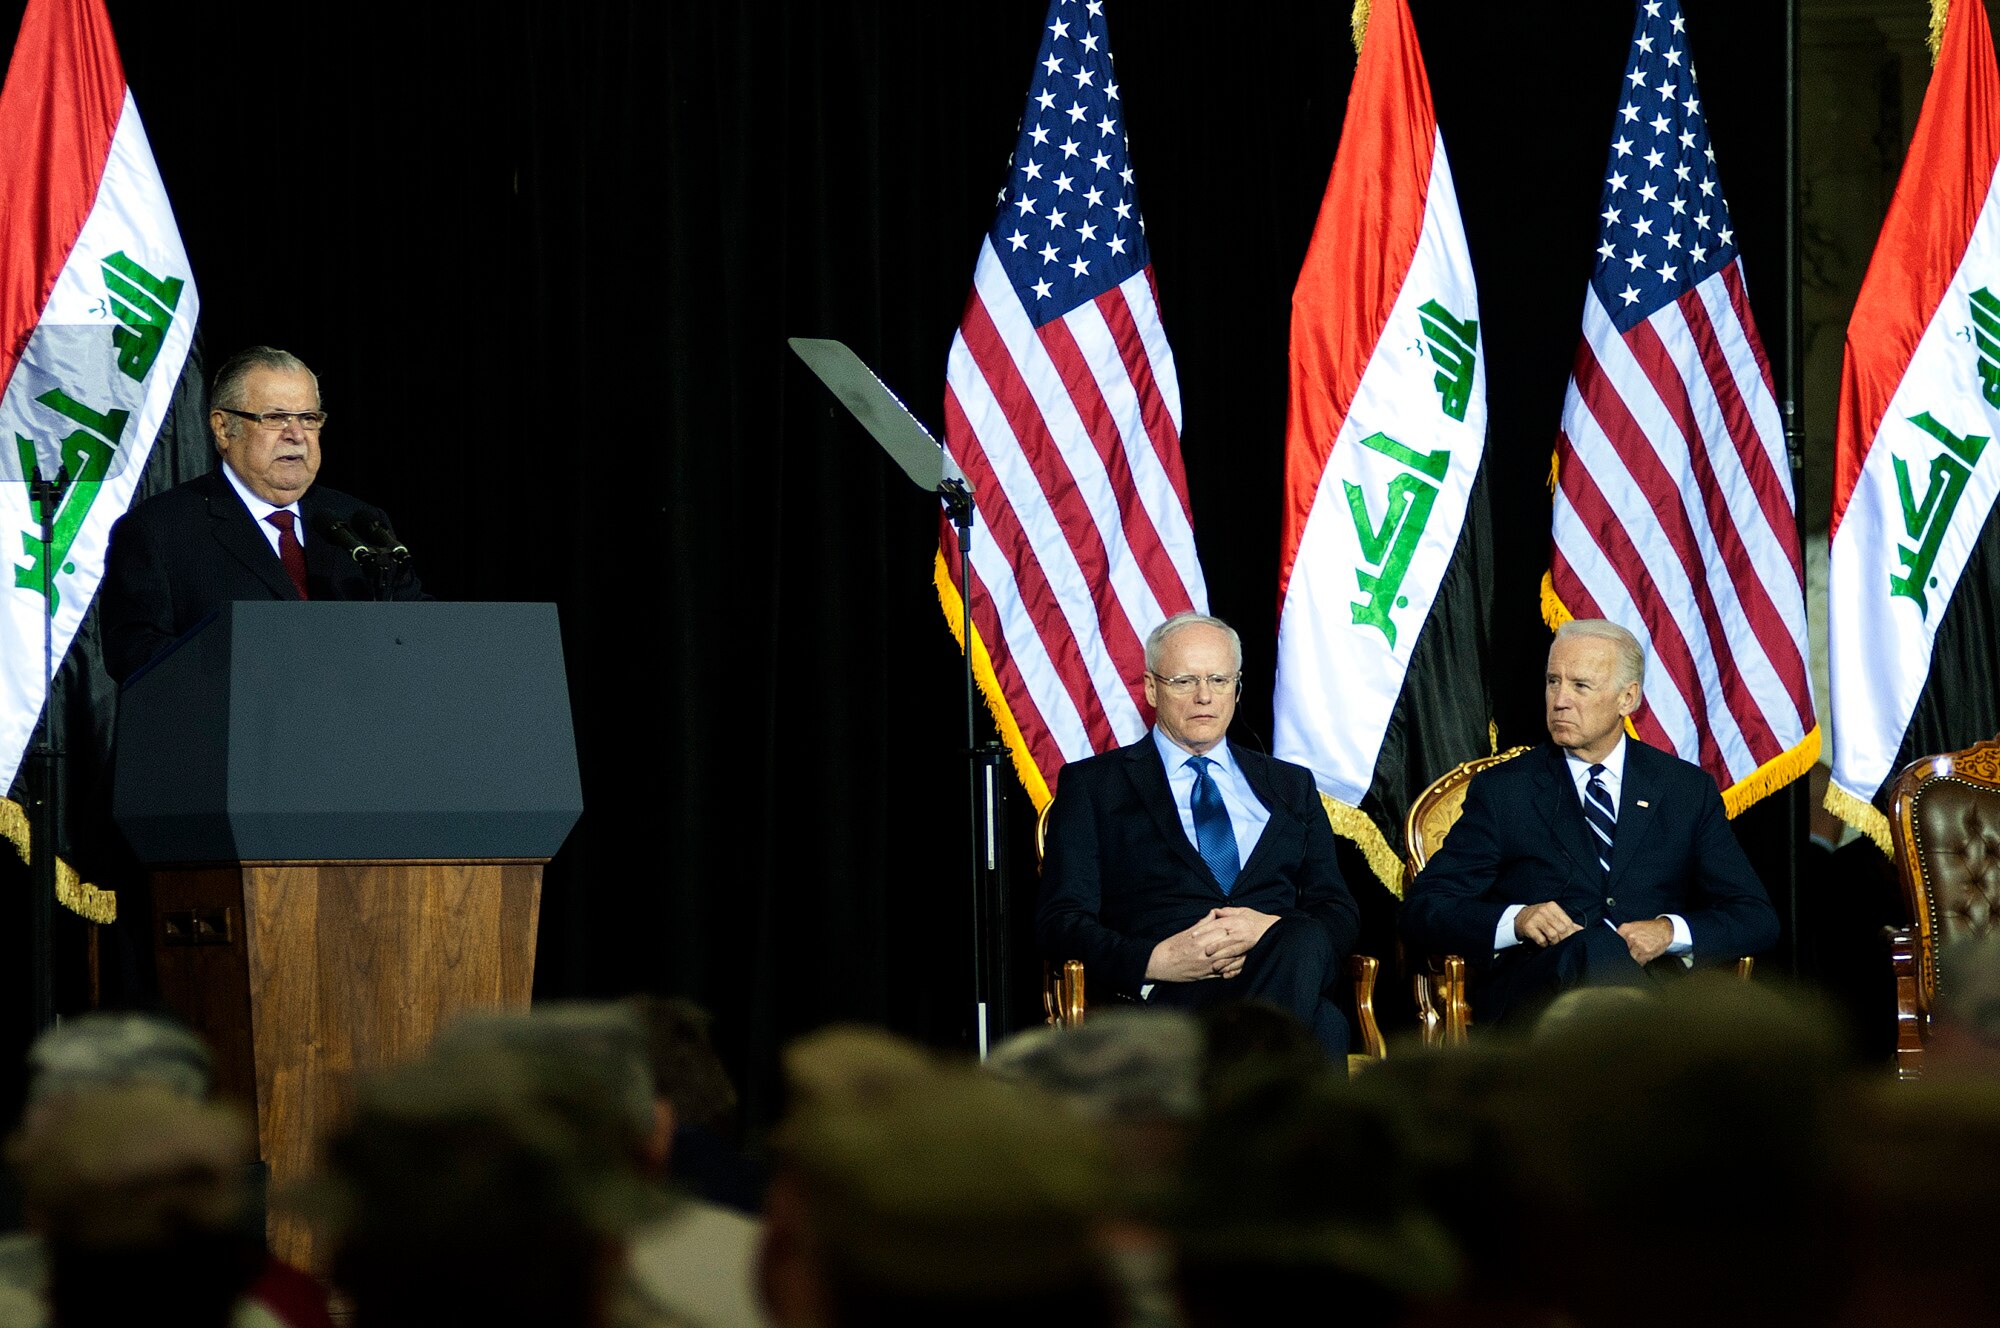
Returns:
(347, 808)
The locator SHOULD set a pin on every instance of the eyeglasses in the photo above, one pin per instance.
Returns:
(309, 420)
(1183, 683)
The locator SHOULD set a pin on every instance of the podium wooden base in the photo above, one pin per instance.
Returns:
(300, 974)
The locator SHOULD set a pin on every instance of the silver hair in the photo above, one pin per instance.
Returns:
(226, 393)
(1631, 656)
(106, 1050)
(1127, 1065)
(567, 1048)
(1156, 640)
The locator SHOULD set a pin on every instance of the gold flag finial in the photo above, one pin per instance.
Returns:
(1361, 24)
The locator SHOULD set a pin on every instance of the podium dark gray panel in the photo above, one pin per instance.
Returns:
(328, 731)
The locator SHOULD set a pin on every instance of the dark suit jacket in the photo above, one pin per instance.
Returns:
(181, 555)
(1119, 874)
(1523, 840)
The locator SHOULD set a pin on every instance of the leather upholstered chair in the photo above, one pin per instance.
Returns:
(1064, 1003)
(1944, 820)
(1444, 1012)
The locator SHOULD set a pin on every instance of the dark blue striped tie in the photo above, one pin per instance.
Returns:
(1602, 813)
(1213, 834)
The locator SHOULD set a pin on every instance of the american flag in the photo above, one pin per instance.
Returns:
(1062, 407)
(1673, 505)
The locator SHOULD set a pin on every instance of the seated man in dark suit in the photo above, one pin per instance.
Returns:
(245, 532)
(1589, 858)
(1186, 871)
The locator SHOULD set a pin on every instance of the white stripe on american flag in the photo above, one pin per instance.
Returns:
(1600, 580)
(1739, 663)
(1069, 607)
(1105, 632)
(1662, 432)
(1044, 542)
(1155, 487)
(1662, 571)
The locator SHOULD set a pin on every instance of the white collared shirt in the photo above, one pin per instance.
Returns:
(1247, 816)
(1613, 779)
(259, 509)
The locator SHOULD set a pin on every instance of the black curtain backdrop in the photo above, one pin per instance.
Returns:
(544, 257)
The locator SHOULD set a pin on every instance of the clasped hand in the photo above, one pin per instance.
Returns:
(1547, 923)
(1214, 947)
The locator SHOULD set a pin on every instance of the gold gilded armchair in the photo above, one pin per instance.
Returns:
(1064, 1003)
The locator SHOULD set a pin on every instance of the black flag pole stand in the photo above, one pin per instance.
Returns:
(44, 773)
(1799, 795)
(931, 468)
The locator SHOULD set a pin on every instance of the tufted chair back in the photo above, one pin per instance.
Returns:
(1945, 821)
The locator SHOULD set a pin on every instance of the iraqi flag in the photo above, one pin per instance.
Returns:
(97, 316)
(1382, 580)
(1913, 616)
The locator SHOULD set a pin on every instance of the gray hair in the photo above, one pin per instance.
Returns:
(95, 1051)
(578, 1058)
(226, 393)
(1118, 1065)
(1631, 656)
(1156, 640)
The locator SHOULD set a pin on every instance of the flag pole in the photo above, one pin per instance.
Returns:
(44, 758)
(1798, 796)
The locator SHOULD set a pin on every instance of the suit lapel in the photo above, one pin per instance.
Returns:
(1149, 780)
(236, 531)
(325, 564)
(1635, 821)
(1257, 771)
(1557, 798)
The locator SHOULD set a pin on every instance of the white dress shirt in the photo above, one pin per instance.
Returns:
(1613, 779)
(1247, 816)
(259, 509)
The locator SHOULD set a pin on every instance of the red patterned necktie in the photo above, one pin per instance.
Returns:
(289, 550)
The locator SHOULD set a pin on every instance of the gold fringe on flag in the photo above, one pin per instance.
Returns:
(1361, 32)
(1940, 11)
(72, 891)
(989, 686)
(1555, 469)
(1861, 815)
(1553, 611)
(1351, 823)
(1774, 774)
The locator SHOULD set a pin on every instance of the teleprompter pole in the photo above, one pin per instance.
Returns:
(930, 468)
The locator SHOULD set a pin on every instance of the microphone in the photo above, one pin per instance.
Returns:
(376, 531)
(337, 533)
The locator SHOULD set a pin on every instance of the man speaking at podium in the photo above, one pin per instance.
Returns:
(1188, 871)
(253, 530)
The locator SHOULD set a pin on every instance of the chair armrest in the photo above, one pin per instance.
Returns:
(1365, 969)
(1912, 1020)
(1443, 1012)
(1063, 995)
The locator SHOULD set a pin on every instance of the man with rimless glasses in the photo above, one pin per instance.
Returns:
(1186, 871)
(249, 531)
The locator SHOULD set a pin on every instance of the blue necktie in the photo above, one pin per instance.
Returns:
(1213, 834)
(1602, 815)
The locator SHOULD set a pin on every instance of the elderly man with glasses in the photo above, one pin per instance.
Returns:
(249, 531)
(1186, 871)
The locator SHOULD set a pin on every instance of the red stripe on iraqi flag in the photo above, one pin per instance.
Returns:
(58, 112)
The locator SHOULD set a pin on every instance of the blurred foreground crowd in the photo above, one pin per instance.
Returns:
(1700, 1155)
